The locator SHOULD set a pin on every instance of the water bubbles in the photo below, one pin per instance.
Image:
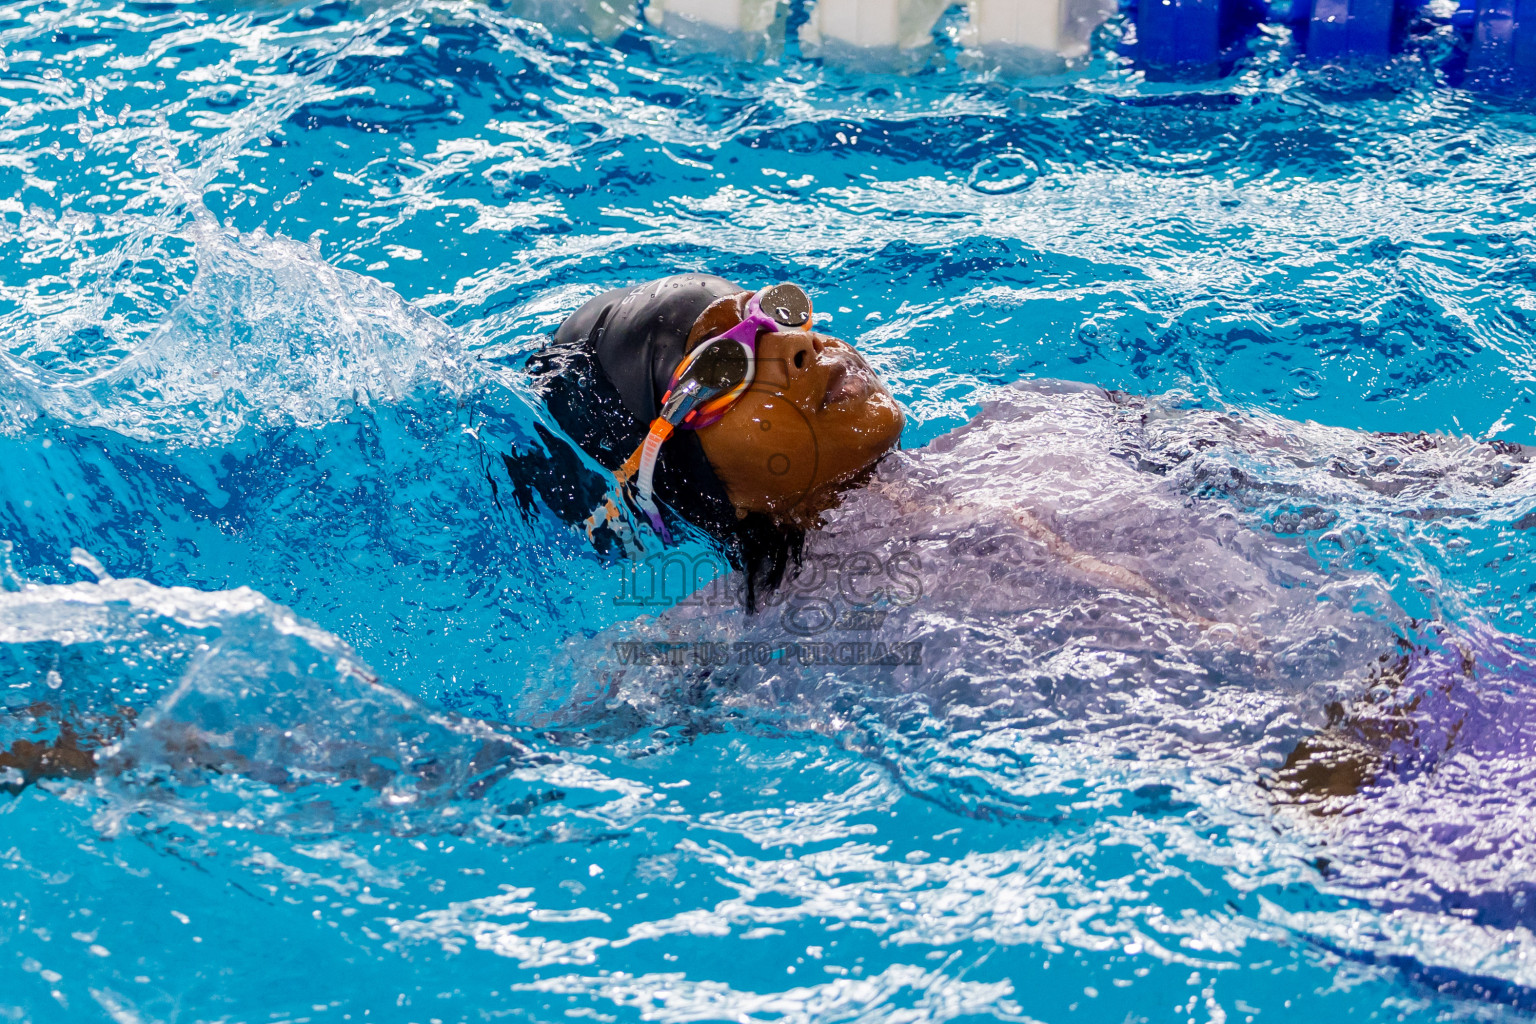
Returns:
(268, 332)
(224, 97)
(1004, 174)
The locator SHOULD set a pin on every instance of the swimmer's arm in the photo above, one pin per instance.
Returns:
(63, 757)
(1107, 572)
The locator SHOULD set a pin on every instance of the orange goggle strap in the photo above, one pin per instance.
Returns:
(649, 451)
(641, 462)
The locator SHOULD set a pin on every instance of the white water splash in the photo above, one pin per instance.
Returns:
(269, 334)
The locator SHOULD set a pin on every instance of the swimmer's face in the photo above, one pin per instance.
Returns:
(815, 417)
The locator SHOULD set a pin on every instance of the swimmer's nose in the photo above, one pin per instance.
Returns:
(801, 350)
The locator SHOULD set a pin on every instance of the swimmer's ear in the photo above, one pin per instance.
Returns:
(718, 317)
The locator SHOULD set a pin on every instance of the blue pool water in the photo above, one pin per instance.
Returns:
(373, 746)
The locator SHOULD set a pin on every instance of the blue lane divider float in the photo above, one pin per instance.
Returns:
(1195, 38)
(1198, 34)
(1178, 33)
(1501, 44)
(1358, 29)
(1191, 37)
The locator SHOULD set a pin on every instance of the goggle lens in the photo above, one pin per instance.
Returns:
(720, 365)
(788, 304)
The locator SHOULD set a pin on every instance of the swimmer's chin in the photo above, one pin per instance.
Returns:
(810, 513)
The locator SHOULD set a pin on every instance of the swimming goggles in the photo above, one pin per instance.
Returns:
(708, 381)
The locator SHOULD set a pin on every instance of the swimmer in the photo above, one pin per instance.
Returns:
(724, 407)
(1063, 564)
(53, 741)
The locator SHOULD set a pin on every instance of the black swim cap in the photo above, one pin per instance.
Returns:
(640, 334)
(602, 378)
